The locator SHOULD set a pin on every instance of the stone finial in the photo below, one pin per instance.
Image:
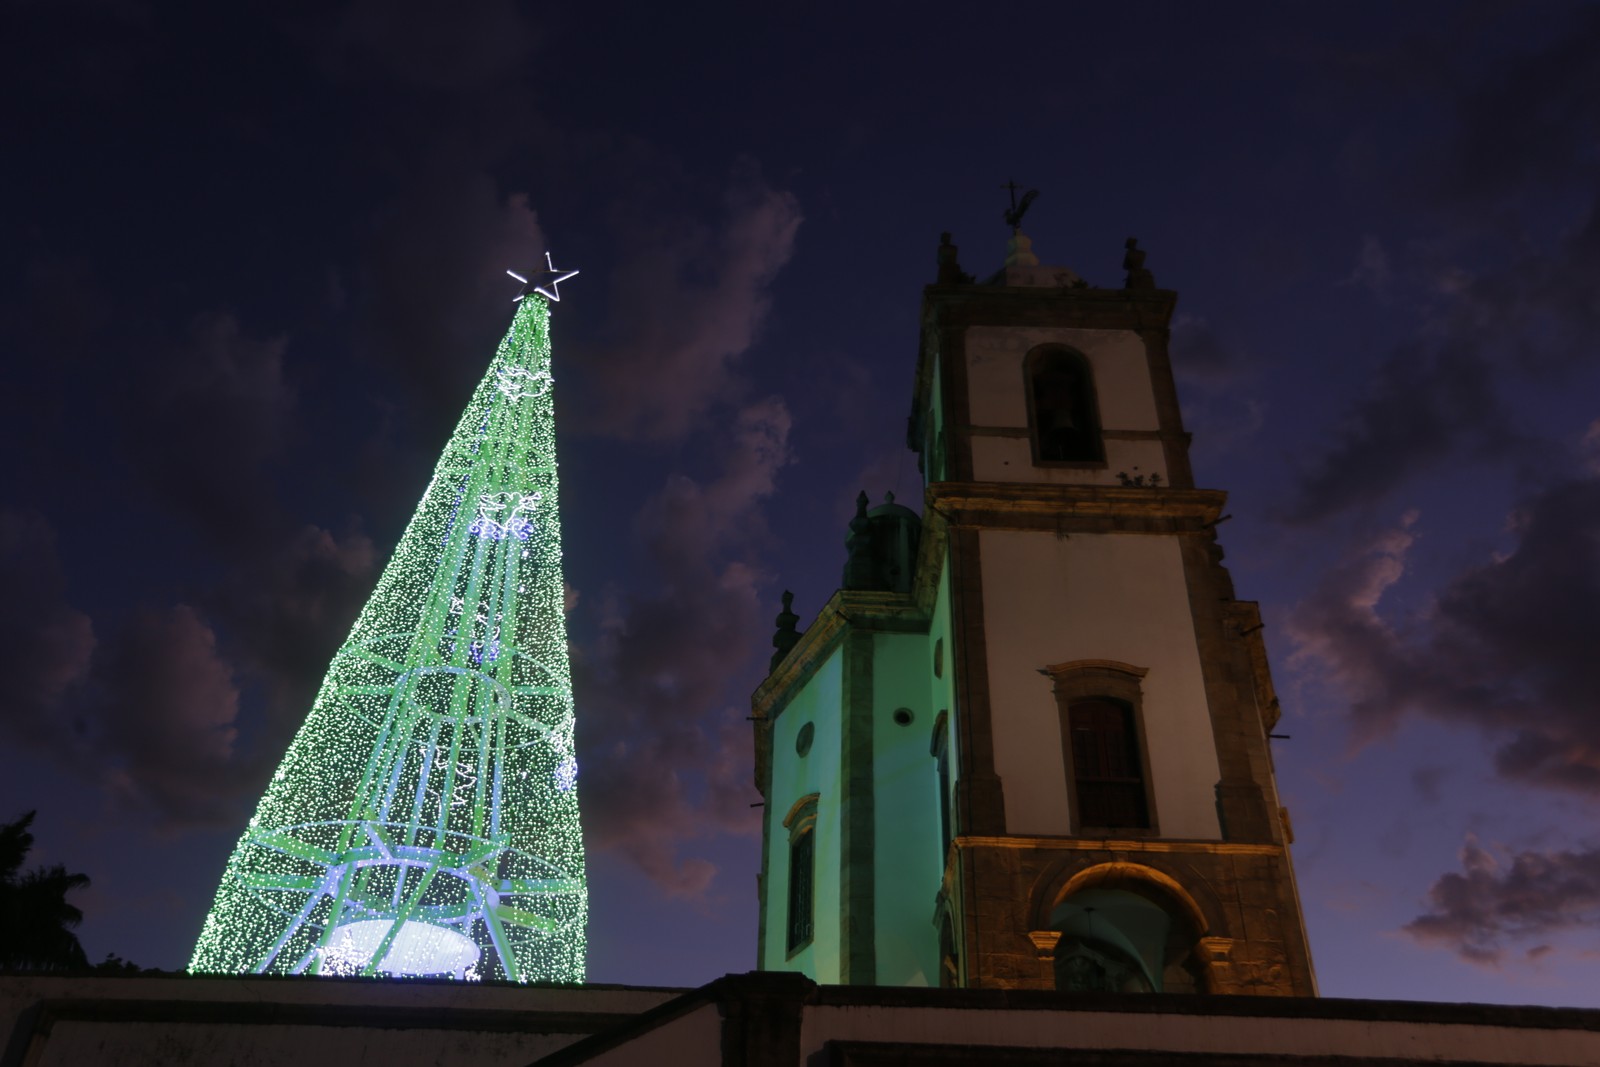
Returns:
(786, 636)
(1019, 251)
(1133, 263)
(859, 570)
(949, 268)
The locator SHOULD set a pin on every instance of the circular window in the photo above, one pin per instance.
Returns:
(802, 740)
(903, 716)
(938, 658)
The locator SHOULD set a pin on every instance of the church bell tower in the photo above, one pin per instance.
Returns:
(1026, 744)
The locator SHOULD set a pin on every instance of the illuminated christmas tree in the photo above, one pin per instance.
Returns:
(425, 818)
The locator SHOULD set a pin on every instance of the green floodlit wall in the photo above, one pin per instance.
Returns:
(794, 777)
(909, 869)
(425, 818)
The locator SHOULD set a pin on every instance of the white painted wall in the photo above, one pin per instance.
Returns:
(997, 397)
(907, 863)
(1094, 596)
(1010, 459)
(1359, 1038)
(793, 776)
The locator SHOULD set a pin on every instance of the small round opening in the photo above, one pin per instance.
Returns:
(802, 740)
(903, 716)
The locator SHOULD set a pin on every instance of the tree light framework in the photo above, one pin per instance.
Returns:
(425, 818)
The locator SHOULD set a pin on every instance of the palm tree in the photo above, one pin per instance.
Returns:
(36, 922)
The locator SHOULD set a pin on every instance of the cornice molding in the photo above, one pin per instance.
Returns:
(1083, 844)
(1019, 505)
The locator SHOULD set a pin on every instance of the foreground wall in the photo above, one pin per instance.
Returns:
(245, 1022)
(784, 1020)
(764, 1019)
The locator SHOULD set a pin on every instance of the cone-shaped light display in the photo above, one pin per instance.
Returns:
(425, 818)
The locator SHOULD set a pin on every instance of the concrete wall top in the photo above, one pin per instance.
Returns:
(134, 1020)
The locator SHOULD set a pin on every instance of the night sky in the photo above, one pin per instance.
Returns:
(254, 264)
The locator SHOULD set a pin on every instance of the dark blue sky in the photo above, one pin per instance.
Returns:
(254, 264)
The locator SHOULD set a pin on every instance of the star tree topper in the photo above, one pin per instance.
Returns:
(549, 288)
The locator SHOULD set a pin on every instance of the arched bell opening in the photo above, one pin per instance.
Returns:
(1128, 938)
(1063, 410)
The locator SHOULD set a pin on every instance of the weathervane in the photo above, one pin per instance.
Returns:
(556, 278)
(1014, 216)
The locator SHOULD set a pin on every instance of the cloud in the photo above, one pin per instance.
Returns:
(1476, 912)
(417, 43)
(165, 717)
(150, 711)
(1590, 448)
(1426, 781)
(1339, 628)
(289, 613)
(1372, 270)
(1213, 375)
(1420, 406)
(213, 414)
(687, 523)
(1527, 120)
(1507, 646)
(46, 645)
(438, 298)
(690, 300)
(1502, 281)
(147, 714)
(1201, 357)
(1526, 625)
(668, 760)
(78, 50)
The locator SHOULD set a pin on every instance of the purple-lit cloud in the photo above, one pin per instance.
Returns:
(165, 718)
(1507, 648)
(434, 274)
(1502, 276)
(686, 302)
(148, 714)
(46, 645)
(219, 385)
(668, 761)
(1493, 902)
(286, 614)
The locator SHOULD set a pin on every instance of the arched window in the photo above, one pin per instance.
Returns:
(802, 824)
(1062, 409)
(1101, 708)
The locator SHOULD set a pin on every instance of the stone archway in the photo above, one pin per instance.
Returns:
(1122, 927)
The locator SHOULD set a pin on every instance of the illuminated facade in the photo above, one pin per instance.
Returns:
(425, 818)
(1025, 745)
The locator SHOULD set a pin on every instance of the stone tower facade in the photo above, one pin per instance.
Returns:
(1026, 745)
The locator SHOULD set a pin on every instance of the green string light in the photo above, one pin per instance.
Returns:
(425, 818)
